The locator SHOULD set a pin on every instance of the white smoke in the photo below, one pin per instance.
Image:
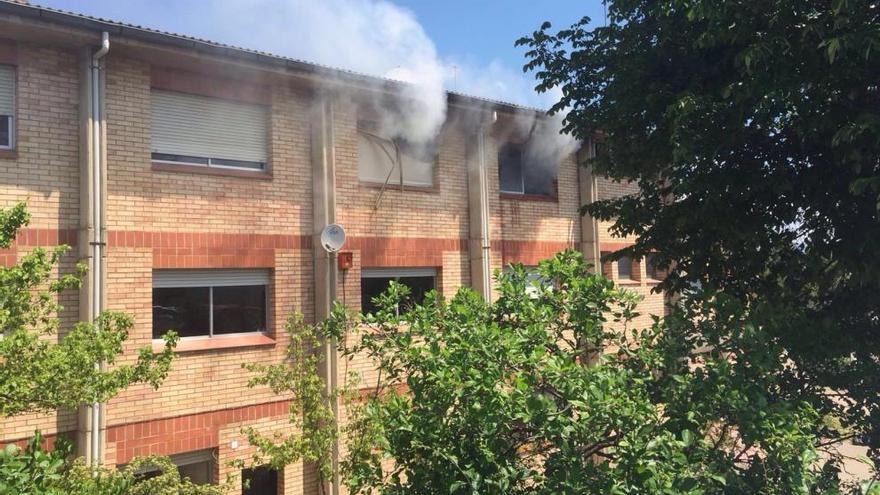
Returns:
(374, 37)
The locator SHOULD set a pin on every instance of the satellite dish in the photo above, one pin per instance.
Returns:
(332, 238)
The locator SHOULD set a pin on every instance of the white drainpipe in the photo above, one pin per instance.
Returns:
(97, 241)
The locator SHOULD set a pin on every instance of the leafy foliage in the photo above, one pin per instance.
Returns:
(37, 471)
(753, 132)
(551, 391)
(37, 374)
(311, 417)
(41, 371)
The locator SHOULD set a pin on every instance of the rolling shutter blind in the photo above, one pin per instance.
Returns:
(374, 164)
(205, 127)
(208, 278)
(7, 90)
(398, 272)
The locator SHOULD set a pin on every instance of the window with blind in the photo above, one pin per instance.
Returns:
(393, 161)
(208, 132)
(208, 303)
(7, 106)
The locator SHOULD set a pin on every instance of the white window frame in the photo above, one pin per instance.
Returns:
(210, 279)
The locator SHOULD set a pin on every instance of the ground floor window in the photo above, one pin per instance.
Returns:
(208, 303)
(374, 281)
(260, 480)
(198, 466)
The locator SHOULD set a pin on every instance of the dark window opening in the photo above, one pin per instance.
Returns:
(5, 131)
(208, 311)
(261, 480)
(651, 269)
(372, 286)
(207, 162)
(624, 268)
(518, 174)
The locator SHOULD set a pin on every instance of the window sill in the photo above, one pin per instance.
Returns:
(396, 187)
(529, 197)
(194, 344)
(8, 154)
(216, 171)
(629, 282)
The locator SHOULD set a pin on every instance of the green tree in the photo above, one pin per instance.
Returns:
(551, 390)
(753, 132)
(44, 368)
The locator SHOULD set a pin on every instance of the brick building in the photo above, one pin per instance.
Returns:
(194, 177)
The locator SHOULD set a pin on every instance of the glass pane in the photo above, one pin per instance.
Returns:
(222, 162)
(261, 480)
(370, 288)
(199, 473)
(189, 160)
(239, 309)
(510, 171)
(183, 309)
(5, 135)
(624, 268)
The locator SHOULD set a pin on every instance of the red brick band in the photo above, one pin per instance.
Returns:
(168, 436)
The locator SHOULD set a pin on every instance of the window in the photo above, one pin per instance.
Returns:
(534, 280)
(208, 132)
(374, 281)
(651, 269)
(624, 268)
(7, 106)
(208, 303)
(379, 157)
(198, 466)
(518, 174)
(261, 480)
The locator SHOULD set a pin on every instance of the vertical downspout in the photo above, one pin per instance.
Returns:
(324, 213)
(92, 223)
(589, 192)
(479, 245)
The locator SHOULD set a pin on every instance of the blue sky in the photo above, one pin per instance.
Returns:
(471, 42)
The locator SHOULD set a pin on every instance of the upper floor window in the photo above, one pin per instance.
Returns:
(652, 270)
(393, 161)
(518, 174)
(374, 281)
(208, 132)
(206, 303)
(7, 106)
(625, 268)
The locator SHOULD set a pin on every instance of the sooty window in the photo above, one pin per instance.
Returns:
(519, 173)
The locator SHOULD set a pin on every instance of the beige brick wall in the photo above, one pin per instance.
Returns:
(418, 227)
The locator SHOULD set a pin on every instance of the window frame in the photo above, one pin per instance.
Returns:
(11, 119)
(212, 163)
(629, 262)
(209, 162)
(551, 195)
(219, 272)
(366, 129)
(396, 273)
(11, 145)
